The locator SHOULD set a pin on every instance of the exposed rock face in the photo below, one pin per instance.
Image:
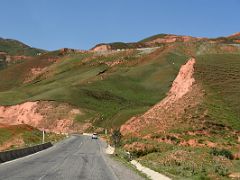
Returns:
(51, 117)
(170, 107)
(102, 47)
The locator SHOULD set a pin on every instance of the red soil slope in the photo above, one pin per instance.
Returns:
(160, 115)
(54, 118)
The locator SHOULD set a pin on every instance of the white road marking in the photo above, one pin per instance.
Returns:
(80, 144)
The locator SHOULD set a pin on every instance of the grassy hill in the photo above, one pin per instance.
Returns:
(16, 74)
(203, 143)
(220, 76)
(111, 93)
(14, 47)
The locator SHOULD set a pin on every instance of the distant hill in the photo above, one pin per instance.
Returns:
(153, 37)
(152, 41)
(161, 39)
(232, 39)
(14, 47)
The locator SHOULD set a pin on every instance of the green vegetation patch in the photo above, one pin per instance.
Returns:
(5, 135)
(220, 76)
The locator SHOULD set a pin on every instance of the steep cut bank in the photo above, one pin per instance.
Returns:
(53, 117)
(157, 116)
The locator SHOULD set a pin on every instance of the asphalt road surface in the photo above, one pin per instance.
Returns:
(78, 157)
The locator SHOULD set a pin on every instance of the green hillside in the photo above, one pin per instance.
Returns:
(112, 94)
(13, 76)
(14, 47)
(220, 76)
(211, 128)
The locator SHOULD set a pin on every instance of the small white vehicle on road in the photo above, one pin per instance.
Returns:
(94, 136)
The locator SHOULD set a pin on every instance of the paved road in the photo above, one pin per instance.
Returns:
(78, 157)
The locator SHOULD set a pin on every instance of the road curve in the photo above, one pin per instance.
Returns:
(78, 157)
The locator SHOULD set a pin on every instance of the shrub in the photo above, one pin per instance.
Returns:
(221, 170)
(142, 152)
(116, 137)
(223, 152)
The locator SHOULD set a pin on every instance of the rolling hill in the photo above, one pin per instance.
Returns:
(17, 48)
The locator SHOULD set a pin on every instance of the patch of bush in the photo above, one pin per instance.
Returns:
(143, 152)
(221, 170)
(223, 152)
(116, 137)
(201, 141)
(173, 139)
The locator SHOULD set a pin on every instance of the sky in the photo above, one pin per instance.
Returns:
(81, 24)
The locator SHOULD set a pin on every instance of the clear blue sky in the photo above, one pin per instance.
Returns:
(53, 24)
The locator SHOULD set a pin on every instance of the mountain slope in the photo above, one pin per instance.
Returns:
(200, 130)
(14, 47)
(111, 87)
(161, 39)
